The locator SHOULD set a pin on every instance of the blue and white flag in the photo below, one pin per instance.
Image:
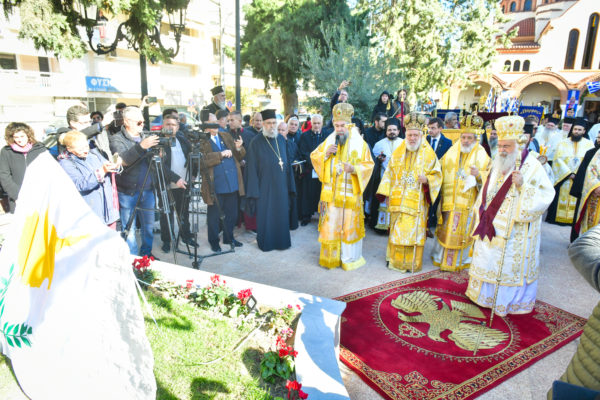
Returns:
(490, 100)
(514, 105)
(593, 86)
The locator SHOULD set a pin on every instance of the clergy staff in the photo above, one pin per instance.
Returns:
(411, 181)
(270, 184)
(586, 188)
(222, 182)
(344, 165)
(508, 216)
(569, 154)
(311, 185)
(464, 168)
(383, 151)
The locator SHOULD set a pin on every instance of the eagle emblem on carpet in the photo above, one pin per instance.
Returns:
(464, 320)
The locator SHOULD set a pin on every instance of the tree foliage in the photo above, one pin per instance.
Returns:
(52, 25)
(346, 54)
(274, 37)
(436, 43)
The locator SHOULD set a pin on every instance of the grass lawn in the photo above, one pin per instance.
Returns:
(199, 336)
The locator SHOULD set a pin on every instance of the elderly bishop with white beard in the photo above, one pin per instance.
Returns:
(270, 184)
(508, 217)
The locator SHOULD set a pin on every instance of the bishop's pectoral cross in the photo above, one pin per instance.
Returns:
(281, 164)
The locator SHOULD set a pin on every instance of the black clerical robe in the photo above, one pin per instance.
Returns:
(311, 187)
(270, 184)
(294, 155)
(577, 187)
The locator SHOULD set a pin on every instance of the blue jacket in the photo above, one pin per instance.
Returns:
(442, 147)
(98, 195)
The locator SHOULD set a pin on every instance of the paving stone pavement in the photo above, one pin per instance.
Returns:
(297, 269)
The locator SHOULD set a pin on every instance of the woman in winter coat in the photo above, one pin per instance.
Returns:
(20, 150)
(384, 105)
(91, 174)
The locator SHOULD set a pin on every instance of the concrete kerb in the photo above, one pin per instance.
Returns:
(317, 334)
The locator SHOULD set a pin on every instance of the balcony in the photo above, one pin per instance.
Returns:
(35, 83)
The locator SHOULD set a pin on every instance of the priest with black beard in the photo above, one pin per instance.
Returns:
(311, 185)
(270, 183)
(567, 159)
(578, 186)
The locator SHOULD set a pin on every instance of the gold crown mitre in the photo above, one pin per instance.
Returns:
(415, 121)
(343, 112)
(509, 128)
(471, 124)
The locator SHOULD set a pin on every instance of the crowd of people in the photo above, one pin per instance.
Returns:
(480, 196)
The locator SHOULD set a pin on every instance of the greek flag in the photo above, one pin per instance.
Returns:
(514, 106)
(490, 99)
(593, 86)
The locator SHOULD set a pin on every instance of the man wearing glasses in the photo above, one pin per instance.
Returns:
(132, 146)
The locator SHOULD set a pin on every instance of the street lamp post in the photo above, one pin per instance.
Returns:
(177, 19)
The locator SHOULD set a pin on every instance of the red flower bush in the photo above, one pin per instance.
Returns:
(294, 390)
(244, 295)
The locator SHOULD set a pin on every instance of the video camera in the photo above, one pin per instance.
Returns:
(199, 133)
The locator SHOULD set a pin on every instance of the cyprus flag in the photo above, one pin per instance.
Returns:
(70, 319)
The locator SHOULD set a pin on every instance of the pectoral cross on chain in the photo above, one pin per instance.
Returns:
(281, 164)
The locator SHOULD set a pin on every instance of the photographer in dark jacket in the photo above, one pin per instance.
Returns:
(175, 159)
(132, 147)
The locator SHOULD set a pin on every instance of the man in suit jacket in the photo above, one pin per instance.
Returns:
(221, 181)
(440, 144)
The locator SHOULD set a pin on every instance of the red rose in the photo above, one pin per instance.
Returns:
(302, 394)
(293, 385)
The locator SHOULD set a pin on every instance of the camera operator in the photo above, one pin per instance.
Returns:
(220, 169)
(175, 159)
(132, 146)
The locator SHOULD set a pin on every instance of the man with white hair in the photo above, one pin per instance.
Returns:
(311, 186)
(451, 120)
(508, 216)
(133, 146)
(411, 181)
(343, 164)
(270, 184)
(464, 169)
(218, 100)
(552, 136)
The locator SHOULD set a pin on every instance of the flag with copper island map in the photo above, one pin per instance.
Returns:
(422, 338)
(70, 318)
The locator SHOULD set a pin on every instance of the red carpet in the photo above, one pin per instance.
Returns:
(429, 353)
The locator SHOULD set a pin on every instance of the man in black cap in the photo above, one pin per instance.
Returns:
(569, 154)
(270, 183)
(218, 100)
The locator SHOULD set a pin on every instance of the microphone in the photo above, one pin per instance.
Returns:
(337, 140)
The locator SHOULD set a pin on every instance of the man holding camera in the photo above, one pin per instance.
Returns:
(175, 159)
(221, 181)
(132, 146)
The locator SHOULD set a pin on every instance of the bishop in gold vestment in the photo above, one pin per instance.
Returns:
(508, 216)
(569, 154)
(344, 165)
(464, 168)
(412, 180)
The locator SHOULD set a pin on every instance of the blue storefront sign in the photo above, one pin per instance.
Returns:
(99, 84)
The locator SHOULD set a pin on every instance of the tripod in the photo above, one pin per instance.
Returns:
(194, 197)
(160, 187)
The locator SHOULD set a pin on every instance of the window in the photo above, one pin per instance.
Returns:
(571, 49)
(513, 6)
(507, 65)
(8, 61)
(526, 65)
(527, 6)
(590, 42)
(216, 47)
(517, 66)
(44, 64)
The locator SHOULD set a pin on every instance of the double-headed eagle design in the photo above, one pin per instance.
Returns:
(458, 318)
